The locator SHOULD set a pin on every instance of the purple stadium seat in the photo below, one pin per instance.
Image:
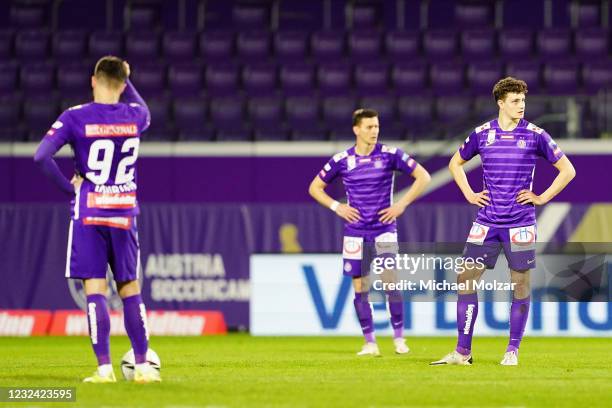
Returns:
(160, 128)
(6, 43)
(416, 114)
(588, 14)
(365, 44)
(74, 79)
(303, 118)
(250, 16)
(515, 42)
(103, 43)
(222, 79)
(150, 79)
(561, 77)
(38, 114)
(337, 113)
(189, 113)
(365, 15)
(372, 77)
(37, 79)
(216, 45)
(592, 42)
(327, 45)
(253, 45)
(70, 44)
(266, 115)
(485, 109)
(474, 13)
(143, 18)
(31, 45)
(454, 110)
(179, 46)
(8, 77)
(597, 75)
(334, 78)
(259, 78)
(483, 75)
(440, 43)
(297, 79)
(528, 71)
(385, 106)
(479, 43)
(10, 109)
(185, 79)
(402, 45)
(409, 76)
(27, 17)
(227, 112)
(290, 45)
(447, 78)
(142, 46)
(553, 42)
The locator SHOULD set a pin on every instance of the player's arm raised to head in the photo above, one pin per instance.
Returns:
(566, 174)
(456, 168)
(131, 95)
(317, 191)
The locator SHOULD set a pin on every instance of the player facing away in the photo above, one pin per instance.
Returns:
(508, 147)
(367, 172)
(104, 136)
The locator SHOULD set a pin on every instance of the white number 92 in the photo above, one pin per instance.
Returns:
(101, 166)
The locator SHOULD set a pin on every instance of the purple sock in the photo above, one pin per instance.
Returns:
(467, 311)
(135, 320)
(519, 312)
(98, 321)
(364, 314)
(396, 310)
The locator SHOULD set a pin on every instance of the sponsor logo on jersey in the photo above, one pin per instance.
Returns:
(478, 233)
(351, 163)
(51, 132)
(491, 137)
(483, 127)
(410, 162)
(352, 248)
(57, 124)
(387, 149)
(322, 173)
(115, 222)
(522, 238)
(327, 167)
(554, 147)
(112, 130)
(111, 201)
(339, 156)
(535, 129)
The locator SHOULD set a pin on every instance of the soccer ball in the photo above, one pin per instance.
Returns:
(128, 363)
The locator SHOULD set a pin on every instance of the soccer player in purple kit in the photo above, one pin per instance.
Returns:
(367, 171)
(508, 147)
(105, 136)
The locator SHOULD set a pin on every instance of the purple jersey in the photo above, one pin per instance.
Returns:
(508, 161)
(105, 140)
(368, 181)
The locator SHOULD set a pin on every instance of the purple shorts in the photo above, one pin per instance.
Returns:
(385, 243)
(94, 243)
(518, 244)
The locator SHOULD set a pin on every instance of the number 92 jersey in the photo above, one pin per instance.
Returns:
(105, 140)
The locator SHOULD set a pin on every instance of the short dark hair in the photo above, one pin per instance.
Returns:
(363, 113)
(508, 85)
(111, 69)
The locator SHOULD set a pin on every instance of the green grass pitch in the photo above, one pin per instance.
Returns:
(242, 371)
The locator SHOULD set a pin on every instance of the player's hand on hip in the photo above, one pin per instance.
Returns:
(76, 181)
(528, 197)
(480, 199)
(348, 213)
(390, 214)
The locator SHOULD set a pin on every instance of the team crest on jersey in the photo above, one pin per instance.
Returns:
(491, 137)
(351, 163)
(521, 143)
(483, 127)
